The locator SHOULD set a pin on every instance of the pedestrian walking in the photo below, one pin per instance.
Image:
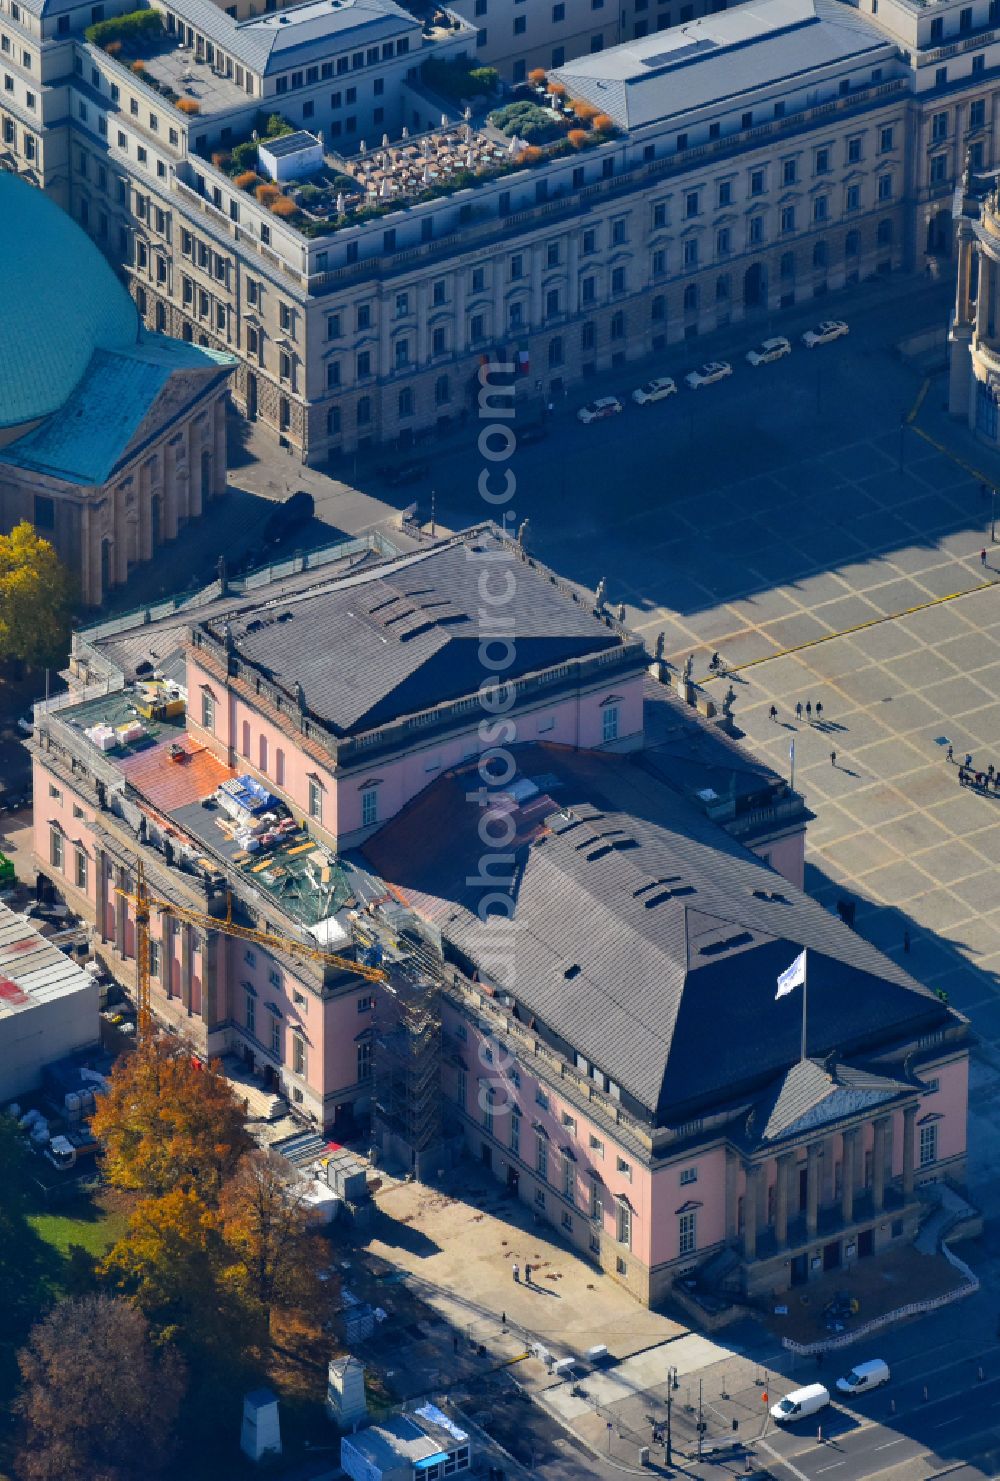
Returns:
(982, 556)
(962, 774)
(527, 1275)
(798, 710)
(968, 758)
(516, 1272)
(503, 1318)
(951, 753)
(833, 758)
(906, 942)
(990, 770)
(809, 709)
(773, 712)
(819, 710)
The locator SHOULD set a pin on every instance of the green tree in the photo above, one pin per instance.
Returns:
(34, 598)
(98, 1402)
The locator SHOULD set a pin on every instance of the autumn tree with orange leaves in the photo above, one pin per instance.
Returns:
(168, 1123)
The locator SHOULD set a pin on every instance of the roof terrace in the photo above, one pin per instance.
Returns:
(192, 83)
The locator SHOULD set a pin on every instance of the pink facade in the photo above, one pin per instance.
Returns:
(58, 810)
(695, 1179)
(243, 734)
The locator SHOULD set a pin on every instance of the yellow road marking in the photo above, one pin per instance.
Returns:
(736, 668)
(915, 408)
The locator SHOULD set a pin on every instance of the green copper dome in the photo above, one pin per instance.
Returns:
(59, 302)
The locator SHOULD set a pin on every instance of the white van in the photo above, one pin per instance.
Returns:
(799, 1403)
(864, 1376)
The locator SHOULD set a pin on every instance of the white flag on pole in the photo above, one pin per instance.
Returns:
(793, 976)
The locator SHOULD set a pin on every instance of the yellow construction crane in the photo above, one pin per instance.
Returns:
(143, 903)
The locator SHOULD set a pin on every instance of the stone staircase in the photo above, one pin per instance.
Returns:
(948, 1211)
(262, 1105)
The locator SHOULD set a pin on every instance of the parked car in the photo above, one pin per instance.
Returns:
(707, 375)
(864, 1376)
(296, 510)
(657, 390)
(824, 333)
(771, 349)
(411, 471)
(800, 1403)
(594, 411)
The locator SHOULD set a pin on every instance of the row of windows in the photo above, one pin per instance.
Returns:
(29, 144)
(355, 62)
(694, 199)
(9, 87)
(57, 858)
(517, 319)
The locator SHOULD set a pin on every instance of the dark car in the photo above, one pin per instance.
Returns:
(400, 473)
(296, 510)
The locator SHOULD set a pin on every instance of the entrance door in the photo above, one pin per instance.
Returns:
(512, 1178)
(105, 568)
(755, 286)
(251, 398)
(487, 1155)
(800, 1270)
(866, 1243)
(831, 1255)
(803, 1189)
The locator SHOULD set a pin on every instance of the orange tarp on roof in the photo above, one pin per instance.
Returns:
(169, 784)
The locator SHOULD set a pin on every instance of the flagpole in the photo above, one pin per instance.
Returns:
(805, 991)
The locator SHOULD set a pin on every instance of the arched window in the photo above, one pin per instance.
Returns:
(821, 254)
(245, 739)
(690, 298)
(618, 326)
(263, 753)
(852, 245)
(279, 767)
(885, 232)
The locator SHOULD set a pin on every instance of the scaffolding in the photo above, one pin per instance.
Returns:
(406, 1072)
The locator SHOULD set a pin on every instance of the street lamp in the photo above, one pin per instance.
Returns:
(670, 1439)
(993, 517)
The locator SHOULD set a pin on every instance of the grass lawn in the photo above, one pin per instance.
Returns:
(92, 1224)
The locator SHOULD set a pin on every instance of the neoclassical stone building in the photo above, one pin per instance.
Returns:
(974, 387)
(111, 438)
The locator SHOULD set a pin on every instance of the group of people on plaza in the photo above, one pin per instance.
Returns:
(968, 776)
(808, 709)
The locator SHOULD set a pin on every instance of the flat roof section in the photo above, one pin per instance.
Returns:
(32, 970)
(722, 58)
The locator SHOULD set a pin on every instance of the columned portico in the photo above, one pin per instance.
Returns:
(820, 1187)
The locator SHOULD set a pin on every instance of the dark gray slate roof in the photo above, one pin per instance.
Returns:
(405, 636)
(722, 58)
(643, 936)
(813, 1094)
